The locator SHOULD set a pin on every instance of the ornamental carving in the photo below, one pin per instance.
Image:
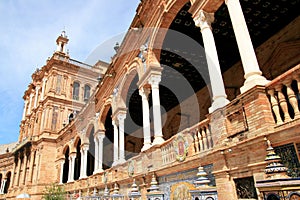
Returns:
(180, 147)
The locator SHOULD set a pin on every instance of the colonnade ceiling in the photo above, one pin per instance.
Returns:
(264, 19)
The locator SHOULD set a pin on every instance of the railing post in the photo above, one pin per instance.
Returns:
(292, 98)
(275, 106)
(283, 103)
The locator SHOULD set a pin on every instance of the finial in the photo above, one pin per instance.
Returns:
(274, 169)
(116, 189)
(116, 47)
(154, 184)
(106, 191)
(202, 180)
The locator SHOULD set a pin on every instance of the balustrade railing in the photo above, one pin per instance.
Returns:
(284, 96)
(168, 152)
(202, 136)
(202, 141)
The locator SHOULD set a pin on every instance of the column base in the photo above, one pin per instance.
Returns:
(115, 163)
(70, 181)
(218, 102)
(122, 160)
(82, 177)
(252, 81)
(158, 140)
(146, 147)
(98, 171)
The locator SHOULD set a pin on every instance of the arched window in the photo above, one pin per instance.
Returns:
(91, 154)
(87, 90)
(66, 166)
(77, 161)
(7, 183)
(76, 87)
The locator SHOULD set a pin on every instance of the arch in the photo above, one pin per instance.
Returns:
(1, 179)
(91, 152)
(66, 164)
(76, 90)
(158, 35)
(66, 147)
(103, 113)
(7, 184)
(134, 68)
(77, 146)
(86, 92)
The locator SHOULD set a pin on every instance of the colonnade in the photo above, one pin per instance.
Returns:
(253, 76)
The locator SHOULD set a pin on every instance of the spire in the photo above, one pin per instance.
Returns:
(154, 184)
(274, 169)
(134, 192)
(61, 43)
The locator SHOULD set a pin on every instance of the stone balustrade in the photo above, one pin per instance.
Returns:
(284, 95)
(202, 136)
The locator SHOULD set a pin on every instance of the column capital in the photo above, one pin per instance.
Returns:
(144, 92)
(154, 80)
(121, 116)
(204, 19)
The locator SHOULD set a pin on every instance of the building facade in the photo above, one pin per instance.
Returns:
(200, 101)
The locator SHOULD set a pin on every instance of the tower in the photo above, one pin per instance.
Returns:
(57, 92)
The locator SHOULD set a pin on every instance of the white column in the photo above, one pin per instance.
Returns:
(30, 104)
(219, 97)
(84, 161)
(121, 118)
(70, 169)
(62, 162)
(253, 75)
(37, 88)
(73, 157)
(43, 89)
(144, 92)
(100, 154)
(24, 111)
(3, 186)
(116, 143)
(96, 154)
(81, 163)
(158, 136)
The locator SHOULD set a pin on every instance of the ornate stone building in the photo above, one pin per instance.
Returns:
(200, 101)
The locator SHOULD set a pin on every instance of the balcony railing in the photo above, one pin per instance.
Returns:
(284, 96)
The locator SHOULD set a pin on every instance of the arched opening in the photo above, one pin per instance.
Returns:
(86, 95)
(77, 161)
(7, 184)
(91, 153)
(76, 87)
(108, 141)
(66, 165)
(0, 180)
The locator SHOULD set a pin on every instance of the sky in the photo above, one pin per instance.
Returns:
(28, 31)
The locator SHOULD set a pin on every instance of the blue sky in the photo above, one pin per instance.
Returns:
(28, 32)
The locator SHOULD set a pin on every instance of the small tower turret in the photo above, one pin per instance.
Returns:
(61, 43)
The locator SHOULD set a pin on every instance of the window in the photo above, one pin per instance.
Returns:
(54, 118)
(245, 188)
(58, 84)
(86, 93)
(76, 87)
